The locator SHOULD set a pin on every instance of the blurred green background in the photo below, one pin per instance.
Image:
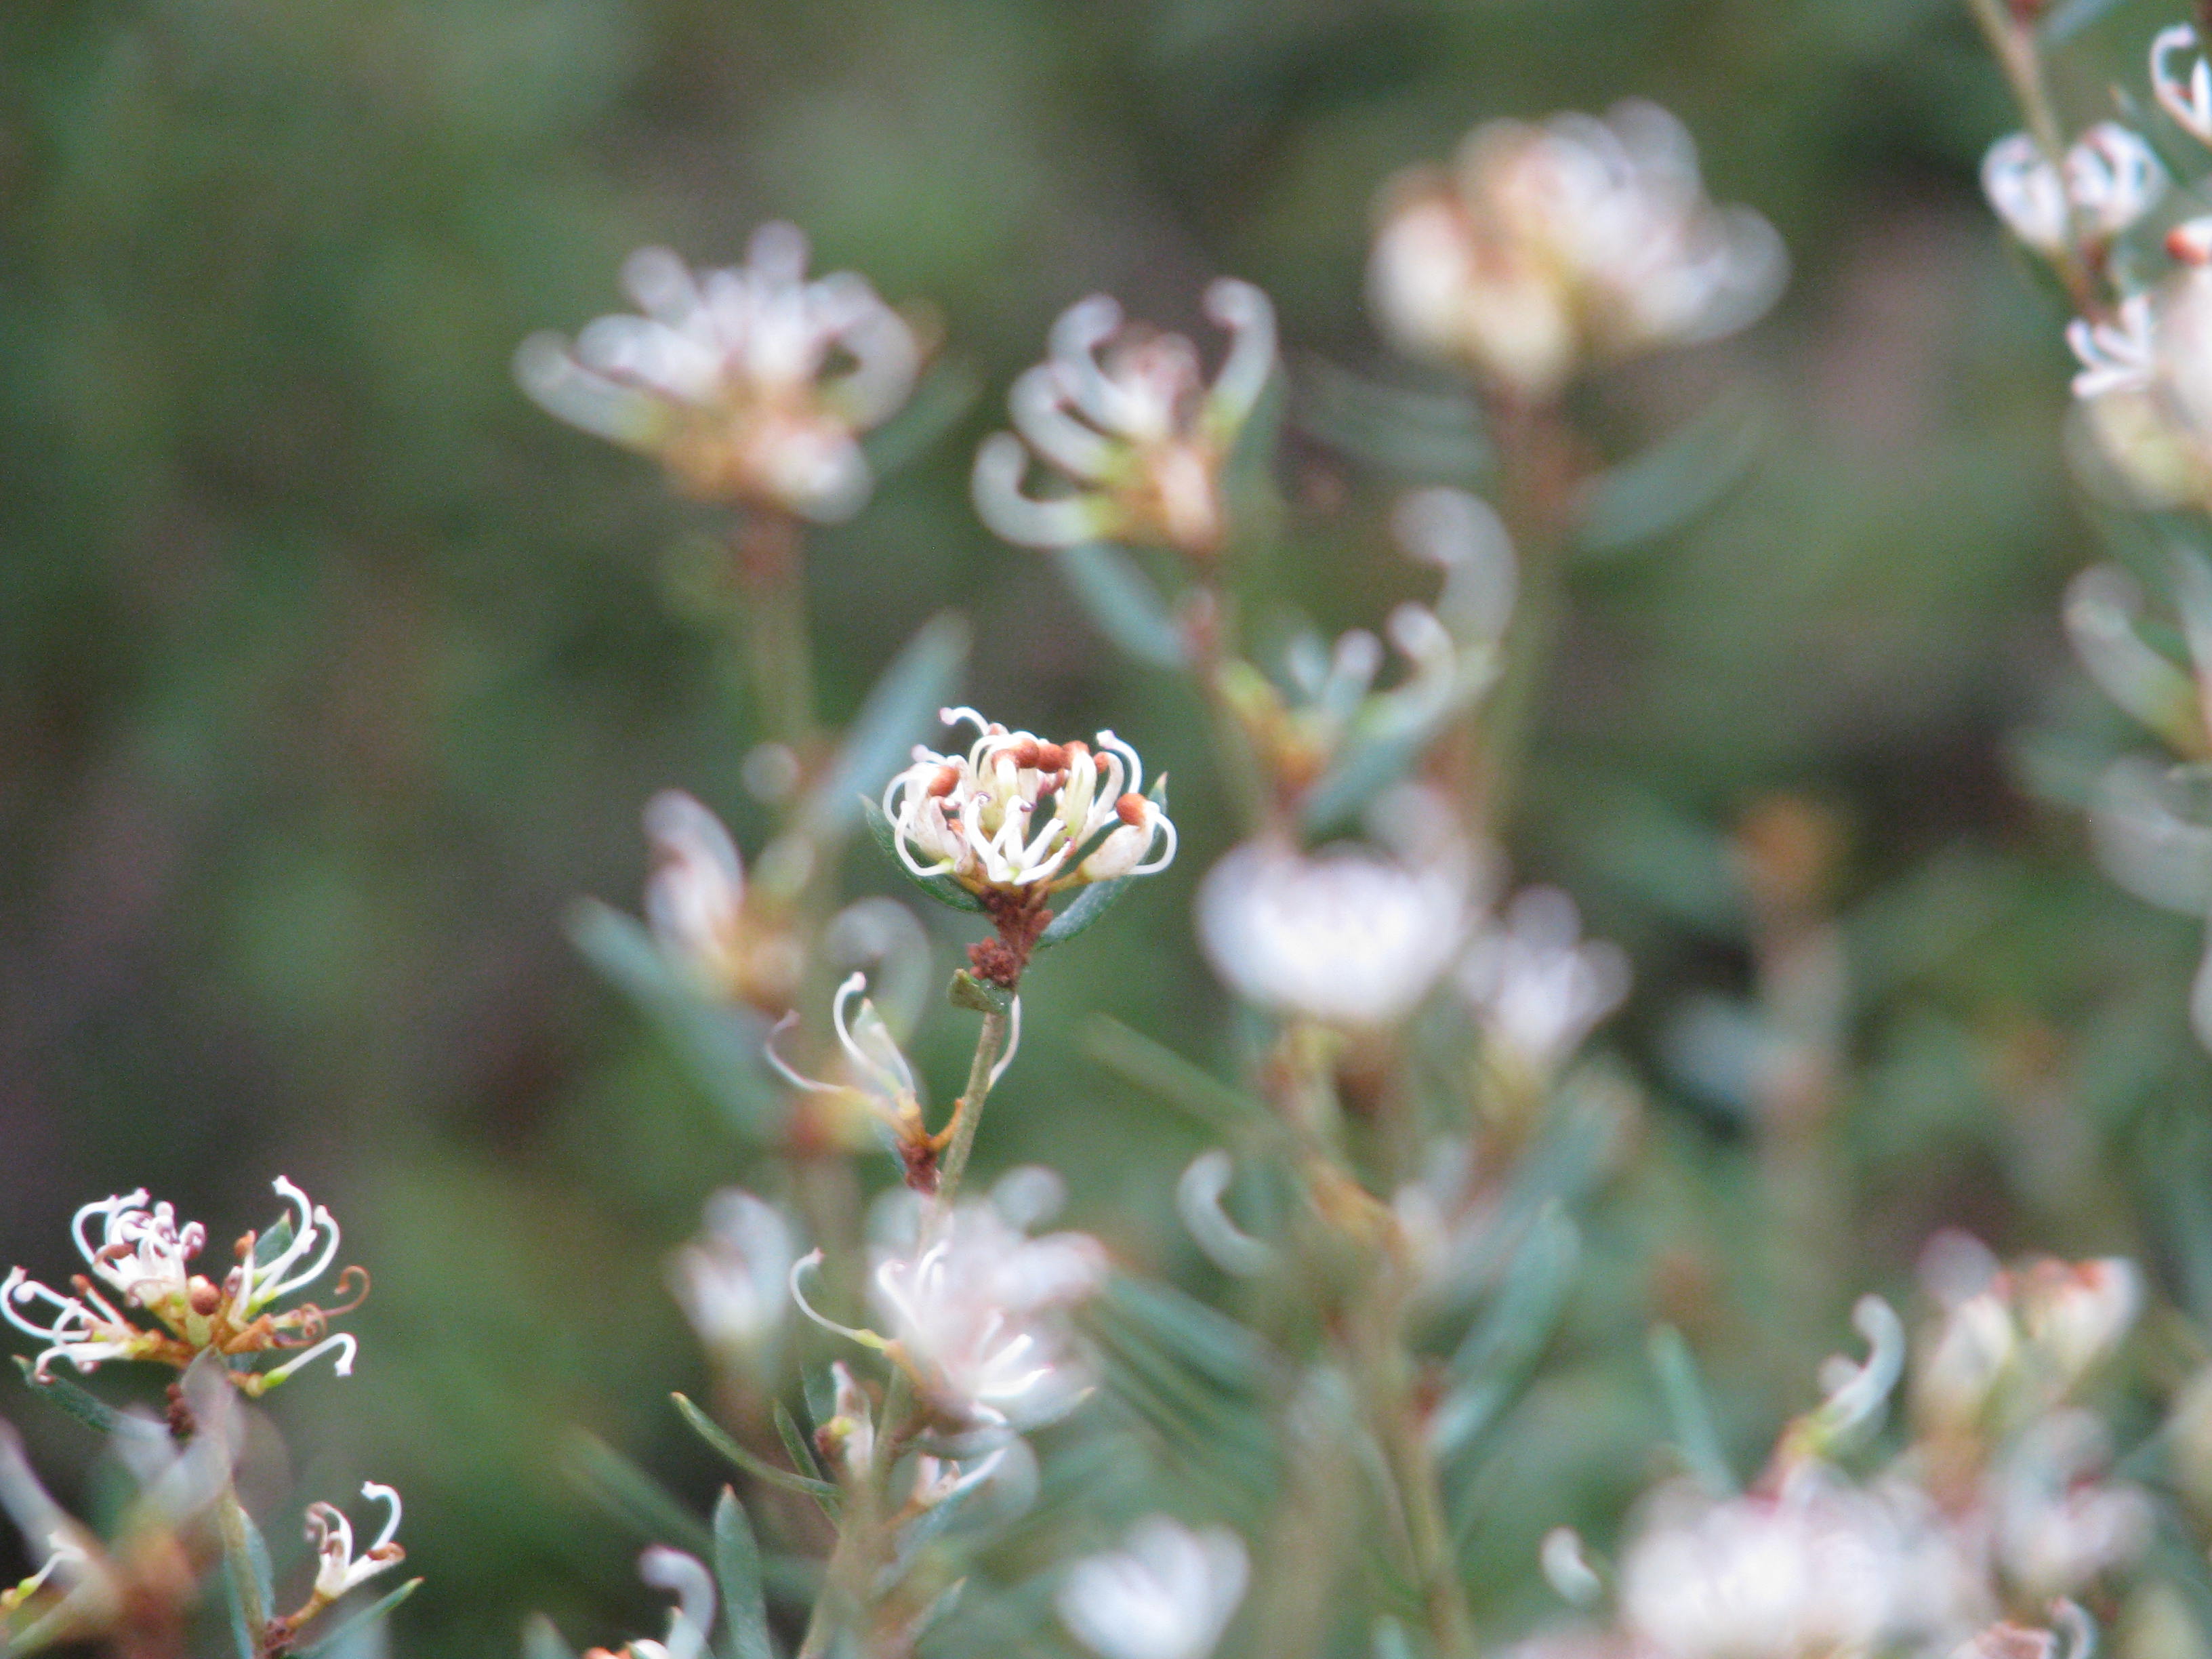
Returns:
(332, 673)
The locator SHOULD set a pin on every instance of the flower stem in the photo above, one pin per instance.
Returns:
(967, 1115)
(2011, 41)
(772, 575)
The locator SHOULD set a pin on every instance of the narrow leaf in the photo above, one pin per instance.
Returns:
(1117, 595)
(87, 1408)
(1082, 912)
(1495, 1360)
(1159, 1070)
(1689, 1412)
(795, 1444)
(381, 1608)
(242, 1633)
(737, 1569)
(1672, 484)
(711, 1431)
(719, 1044)
(901, 709)
(2064, 21)
(943, 889)
(631, 1495)
(979, 996)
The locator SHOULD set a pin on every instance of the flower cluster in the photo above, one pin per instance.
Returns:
(751, 385)
(1137, 431)
(2000, 1507)
(975, 1310)
(1545, 249)
(1168, 1593)
(1017, 818)
(143, 1260)
(2101, 187)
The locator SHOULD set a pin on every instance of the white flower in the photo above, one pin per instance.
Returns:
(1168, 1593)
(695, 902)
(1537, 989)
(2188, 101)
(693, 1617)
(330, 1534)
(750, 384)
(730, 1281)
(978, 1318)
(1016, 815)
(1138, 432)
(2120, 356)
(1576, 241)
(1820, 1571)
(2106, 182)
(145, 1258)
(1347, 936)
(2057, 1527)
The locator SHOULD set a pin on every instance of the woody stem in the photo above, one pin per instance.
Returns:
(967, 1114)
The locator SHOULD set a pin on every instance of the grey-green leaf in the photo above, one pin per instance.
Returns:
(719, 1043)
(1117, 595)
(737, 1569)
(711, 1431)
(1689, 1412)
(901, 709)
(347, 1629)
(87, 1408)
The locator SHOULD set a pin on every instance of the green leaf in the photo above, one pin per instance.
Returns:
(268, 1245)
(87, 1408)
(737, 1569)
(1117, 595)
(947, 393)
(943, 889)
(901, 709)
(254, 1549)
(628, 1493)
(1210, 1343)
(1499, 1352)
(711, 1431)
(242, 1633)
(979, 996)
(1690, 1413)
(719, 1044)
(542, 1639)
(1434, 437)
(1672, 482)
(1159, 1070)
(795, 1444)
(380, 1608)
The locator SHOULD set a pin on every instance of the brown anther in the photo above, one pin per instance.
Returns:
(1026, 754)
(2187, 244)
(203, 1296)
(1052, 757)
(181, 1421)
(947, 781)
(1130, 809)
(80, 1282)
(1075, 749)
(244, 1247)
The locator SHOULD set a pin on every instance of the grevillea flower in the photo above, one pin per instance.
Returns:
(696, 901)
(690, 1622)
(1168, 1593)
(338, 1569)
(1548, 248)
(1125, 416)
(144, 1259)
(2103, 185)
(2187, 98)
(879, 1079)
(1537, 988)
(1349, 936)
(977, 1317)
(730, 1280)
(1017, 817)
(751, 385)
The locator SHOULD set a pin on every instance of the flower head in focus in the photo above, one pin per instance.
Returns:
(729, 1282)
(703, 915)
(751, 385)
(1349, 937)
(1168, 1593)
(1017, 819)
(1547, 248)
(2101, 188)
(977, 1317)
(142, 1259)
(1125, 416)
